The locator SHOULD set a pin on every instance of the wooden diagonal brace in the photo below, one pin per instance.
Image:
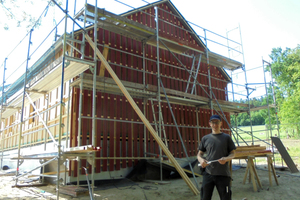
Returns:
(143, 118)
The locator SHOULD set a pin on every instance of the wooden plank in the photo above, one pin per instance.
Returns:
(102, 67)
(285, 155)
(143, 118)
(240, 147)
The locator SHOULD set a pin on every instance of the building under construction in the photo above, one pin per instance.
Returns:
(113, 91)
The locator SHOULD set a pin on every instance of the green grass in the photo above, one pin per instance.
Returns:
(258, 132)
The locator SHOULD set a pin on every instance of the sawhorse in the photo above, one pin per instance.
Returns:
(253, 173)
(271, 170)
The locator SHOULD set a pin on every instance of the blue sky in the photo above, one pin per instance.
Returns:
(265, 24)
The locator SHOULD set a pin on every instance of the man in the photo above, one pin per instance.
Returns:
(219, 148)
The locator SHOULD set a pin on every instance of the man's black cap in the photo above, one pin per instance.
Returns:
(215, 117)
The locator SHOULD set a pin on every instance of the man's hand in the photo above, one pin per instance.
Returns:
(222, 160)
(203, 163)
(201, 160)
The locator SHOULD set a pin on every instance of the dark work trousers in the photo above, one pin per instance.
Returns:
(222, 184)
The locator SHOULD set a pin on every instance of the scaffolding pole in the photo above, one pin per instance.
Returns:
(22, 110)
(61, 125)
(2, 102)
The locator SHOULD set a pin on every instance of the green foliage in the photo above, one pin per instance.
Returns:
(259, 117)
(17, 13)
(286, 71)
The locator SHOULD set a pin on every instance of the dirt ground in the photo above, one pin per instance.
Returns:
(125, 189)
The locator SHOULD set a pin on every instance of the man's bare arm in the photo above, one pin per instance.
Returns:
(201, 160)
(223, 160)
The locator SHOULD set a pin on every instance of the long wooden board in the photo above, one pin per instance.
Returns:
(143, 118)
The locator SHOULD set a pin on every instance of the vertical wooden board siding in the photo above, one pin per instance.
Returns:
(201, 119)
(141, 132)
(135, 61)
(111, 105)
(156, 150)
(130, 118)
(134, 130)
(153, 24)
(150, 117)
(192, 116)
(167, 18)
(147, 140)
(106, 37)
(206, 83)
(184, 73)
(154, 66)
(125, 71)
(147, 62)
(185, 131)
(84, 127)
(180, 75)
(139, 17)
(167, 120)
(144, 19)
(140, 63)
(99, 130)
(218, 84)
(167, 56)
(177, 142)
(74, 125)
(135, 134)
(112, 55)
(116, 44)
(160, 22)
(174, 131)
(124, 131)
(117, 142)
(188, 134)
(106, 125)
(224, 93)
(172, 72)
(200, 79)
(129, 59)
(176, 86)
(162, 66)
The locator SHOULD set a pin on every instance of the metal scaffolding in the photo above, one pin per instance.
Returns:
(70, 66)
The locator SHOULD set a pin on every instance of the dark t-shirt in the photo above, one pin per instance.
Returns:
(217, 146)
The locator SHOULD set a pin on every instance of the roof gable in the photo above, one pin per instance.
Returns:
(168, 12)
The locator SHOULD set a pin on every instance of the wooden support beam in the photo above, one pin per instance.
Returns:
(143, 118)
(102, 67)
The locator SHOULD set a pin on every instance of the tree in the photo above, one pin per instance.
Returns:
(259, 117)
(286, 71)
(17, 13)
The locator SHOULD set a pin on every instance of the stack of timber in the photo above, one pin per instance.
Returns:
(243, 152)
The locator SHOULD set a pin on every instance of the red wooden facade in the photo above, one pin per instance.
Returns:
(123, 138)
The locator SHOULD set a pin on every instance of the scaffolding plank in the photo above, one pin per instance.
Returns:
(145, 121)
(285, 155)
